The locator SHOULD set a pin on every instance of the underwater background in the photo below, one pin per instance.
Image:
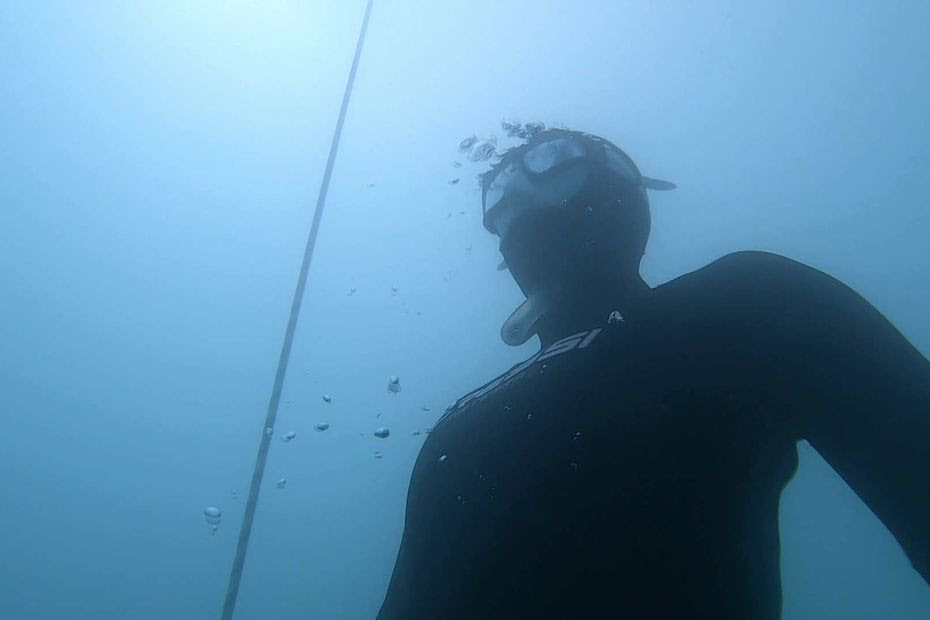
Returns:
(158, 171)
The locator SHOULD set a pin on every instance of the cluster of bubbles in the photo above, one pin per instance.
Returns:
(516, 129)
(478, 149)
(484, 149)
(213, 517)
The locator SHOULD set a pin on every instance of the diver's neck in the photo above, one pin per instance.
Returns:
(590, 307)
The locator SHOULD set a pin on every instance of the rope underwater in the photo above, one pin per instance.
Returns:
(235, 574)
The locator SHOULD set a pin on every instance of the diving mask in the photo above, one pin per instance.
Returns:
(549, 171)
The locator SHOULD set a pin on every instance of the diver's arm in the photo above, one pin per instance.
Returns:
(401, 598)
(862, 394)
(422, 577)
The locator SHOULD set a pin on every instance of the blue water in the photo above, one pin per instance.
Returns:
(158, 169)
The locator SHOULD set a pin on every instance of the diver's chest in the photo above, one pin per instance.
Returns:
(596, 401)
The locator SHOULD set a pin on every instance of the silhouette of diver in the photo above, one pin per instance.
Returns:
(633, 467)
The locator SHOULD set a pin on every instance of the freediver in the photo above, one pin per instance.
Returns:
(632, 468)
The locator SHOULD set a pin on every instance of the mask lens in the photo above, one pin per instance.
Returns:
(519, 194)
(495, 191)
(620, 164)
(548, 155)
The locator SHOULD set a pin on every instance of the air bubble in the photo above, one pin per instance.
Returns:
(213, 517)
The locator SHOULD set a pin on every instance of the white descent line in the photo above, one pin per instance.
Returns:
(235, 575)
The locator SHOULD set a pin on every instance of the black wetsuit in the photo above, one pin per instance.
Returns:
(634, 470)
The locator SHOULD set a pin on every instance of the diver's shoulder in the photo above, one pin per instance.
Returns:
(755, 269)
(757, 263)
(747, 280)
(487, 391)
